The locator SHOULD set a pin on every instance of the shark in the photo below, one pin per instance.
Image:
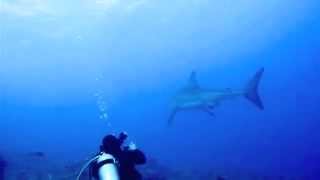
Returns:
(193, 96)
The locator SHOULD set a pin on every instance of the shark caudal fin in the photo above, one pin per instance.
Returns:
(252, 88)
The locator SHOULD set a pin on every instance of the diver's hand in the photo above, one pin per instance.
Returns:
(123, 136)
(132, 146)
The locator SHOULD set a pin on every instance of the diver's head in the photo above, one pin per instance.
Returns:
(110, 145)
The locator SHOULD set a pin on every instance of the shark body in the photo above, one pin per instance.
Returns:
(195, 97)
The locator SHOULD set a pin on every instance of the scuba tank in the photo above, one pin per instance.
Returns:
(106, 165)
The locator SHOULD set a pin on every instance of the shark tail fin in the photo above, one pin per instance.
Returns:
(251, 90)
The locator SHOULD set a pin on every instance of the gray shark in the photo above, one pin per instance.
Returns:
(195, 97)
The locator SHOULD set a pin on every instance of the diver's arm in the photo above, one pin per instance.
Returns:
(122, 137)
(136, 156)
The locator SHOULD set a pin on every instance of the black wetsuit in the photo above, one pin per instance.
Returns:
(3, 165)
(127, 161)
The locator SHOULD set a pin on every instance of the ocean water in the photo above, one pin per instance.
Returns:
(74, 71)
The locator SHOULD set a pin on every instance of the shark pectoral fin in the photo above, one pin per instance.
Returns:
(209, 110)
(172, 116)
(211, 106)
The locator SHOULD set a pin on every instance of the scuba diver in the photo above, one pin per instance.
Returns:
(115, 162)
(3, 165)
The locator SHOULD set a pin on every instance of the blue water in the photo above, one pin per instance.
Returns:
(71, 72)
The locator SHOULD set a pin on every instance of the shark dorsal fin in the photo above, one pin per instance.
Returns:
(193, 82)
